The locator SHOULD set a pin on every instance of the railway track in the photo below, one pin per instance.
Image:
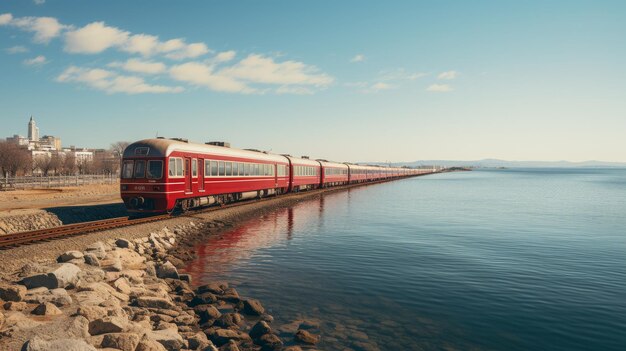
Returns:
(24, 238)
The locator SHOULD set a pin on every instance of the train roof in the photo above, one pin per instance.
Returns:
(165, 147)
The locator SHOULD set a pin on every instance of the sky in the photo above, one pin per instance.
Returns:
(341, 80)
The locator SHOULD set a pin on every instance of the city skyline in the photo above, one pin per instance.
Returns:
(383, 82)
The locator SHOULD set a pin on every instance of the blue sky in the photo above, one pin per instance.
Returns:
(343, 80)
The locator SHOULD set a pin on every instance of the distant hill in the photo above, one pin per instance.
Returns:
(495, 163)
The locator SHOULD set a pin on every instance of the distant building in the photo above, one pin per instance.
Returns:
(50, 142)
(33, 130)
(18, 140)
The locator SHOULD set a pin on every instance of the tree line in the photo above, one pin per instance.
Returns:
(18, 161)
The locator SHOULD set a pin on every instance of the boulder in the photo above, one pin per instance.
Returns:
(9, 292)
(253, 307)
(92, 260)
(270, 342)
(122, 285)
(39, 344)
(167, 270)
(229, 320)
(230, 346)
(108, 325)
(153, 302)
(223, 336)
(259, 329)
(169, 338)
(2, 319)
(65, 275)
(98, 249)
(121, 341)
(59, 297)
(305, 337)
(123, 243)
(230, 295)
(70, 255)
(47, 309)
(15, 306)
(207, 313)
(150, 345)
(199, 341)
(92, 312)
(214, 287)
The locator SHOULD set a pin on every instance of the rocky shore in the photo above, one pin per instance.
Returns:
(128, 294)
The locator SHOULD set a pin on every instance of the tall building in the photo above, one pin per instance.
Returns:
(33, 131)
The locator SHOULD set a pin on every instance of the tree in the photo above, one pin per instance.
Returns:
(117, 149)
(14, 159)
(69, 164)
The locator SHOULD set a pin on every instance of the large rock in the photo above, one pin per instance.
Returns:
(70, 255)
(214, 287)
(169, 338)
(167, 270)
(121, 341)
(306, 337)
(98, 248)
(59, 297)
(108, 325)
(222, 336)
(9, 292)
(92, 260)
(65, 275)
(259, 329)
(39, 344)
(47, 309)
(123, 243)
(92, 312)
(207, 313)
(270, 342)
(150, 345)
(199, 341)
(153, 302)
(229, 320)
(253, 307)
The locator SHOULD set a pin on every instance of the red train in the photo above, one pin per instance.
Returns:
(162, 175)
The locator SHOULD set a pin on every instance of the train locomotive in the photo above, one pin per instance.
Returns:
(165, 175)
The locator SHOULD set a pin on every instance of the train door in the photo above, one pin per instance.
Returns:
(187, 174)
(275, 166)
(201, 174)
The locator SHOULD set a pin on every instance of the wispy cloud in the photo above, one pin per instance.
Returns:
(399, 74)
(358, 58)
(17, 49)
(255, 73)
(44, 28)
(448, 75)
(112, 82)
(36, 61)
(39, 2)
(140, 66)
(439, 88)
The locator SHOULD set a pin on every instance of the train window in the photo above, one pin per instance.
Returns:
(140, 169)
(207, 168)
(214, 167)
(155, 169)
(256, 169)
(229, 168)
(127, 169)
(172, 167)
(194, 167)
(180, 170)
(221, 166)
(235, 169)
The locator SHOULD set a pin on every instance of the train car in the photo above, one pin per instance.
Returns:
(160, 175)
(305, 174)
(333, 173)
(358, 173)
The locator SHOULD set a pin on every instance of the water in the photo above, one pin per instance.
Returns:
(490, 260)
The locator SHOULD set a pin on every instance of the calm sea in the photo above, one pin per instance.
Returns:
(517, 259)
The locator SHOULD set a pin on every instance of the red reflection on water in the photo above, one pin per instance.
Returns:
(220, 252)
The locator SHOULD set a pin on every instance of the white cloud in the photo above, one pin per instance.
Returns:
(399, 74)
(17, 49)
(140, 66)
(297, 90)
(94, 38)
(381, 86)
(45, 28)
(39, 2)
(260, 69)
(358, 58)
(448, 75)
(224, 56)
(439, 88)
(36, 61)
(143, 44)
(112, 82)
(5, 19)
(200, 74)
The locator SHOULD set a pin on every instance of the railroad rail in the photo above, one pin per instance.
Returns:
(24, 238)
